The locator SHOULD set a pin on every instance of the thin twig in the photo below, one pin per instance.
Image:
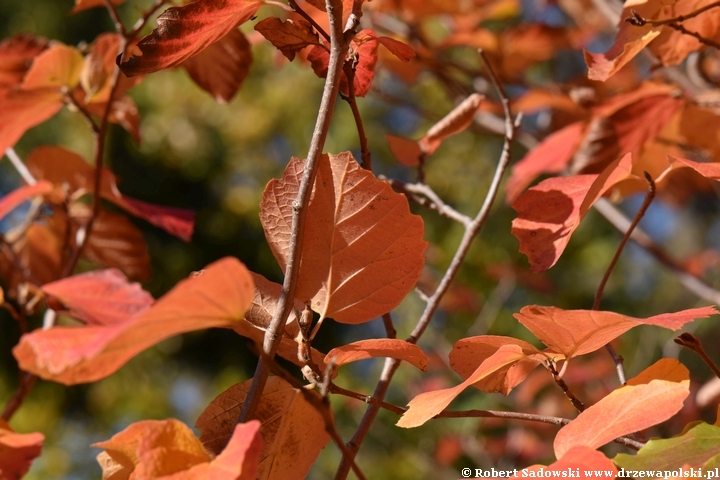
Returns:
(389, 327)
(391, 365)
(667, 21)
(435, 202)
(579, 405)
(20, 166)
(349, 69)
(322, 126)
(311, 20)
(700, 38)
(691, 342)
(26, 384)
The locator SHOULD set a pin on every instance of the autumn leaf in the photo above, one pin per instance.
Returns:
(16, 56)
(221, 68)
(460, 118)
(292, 429)
(290, 36)
(625, 410)
(101, 297)
(668, 369)
(550, 212)
(426, 405)
(577, 332)
(17, 451)
(378, 347)
(70, 355)
(13, 199)
(185, 31)
(363, 249)
(21, 110)
(81, 5)
(552, 155)
(58, 66)
(405, 151)
(697, 446)
(469, 353)
(579, 459)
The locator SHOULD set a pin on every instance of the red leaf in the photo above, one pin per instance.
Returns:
(426, 405)
(626, 410)
(551, 156)
(187, 30)
(13, 199)
(290, 36)
(16, 56)
(401, 50)
(378, 347)
(21, 110)
(221, 68)
(177, 221)
(577, 332)
(81, 5)
(101, 297)
(550, 212)
(17, 451)
(70, 355)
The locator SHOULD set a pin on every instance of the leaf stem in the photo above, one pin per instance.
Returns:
(285, 303)
(691, 342)
(391, 365)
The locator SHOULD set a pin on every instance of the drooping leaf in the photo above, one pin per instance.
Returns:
(152, 449)
(17, 451)
(401, 50)
(238, 460)
(16, 56)
(292, 429)
(101, 297)
(426, 405)
(460, 118)
(290, 36)
(378, 347)
(221, 68)
(70, 355)
(696, 447)
(550, 212)
(625, 410)
(469, 353)
(577, 332)
(551, 156)
(363, 249)
(13, 199)
(187, 30)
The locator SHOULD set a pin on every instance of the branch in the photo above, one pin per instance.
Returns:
(338, 48)
(640, 21)
(391, 365)
(431, 200)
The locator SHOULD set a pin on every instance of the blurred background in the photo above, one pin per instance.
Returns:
(216, 159)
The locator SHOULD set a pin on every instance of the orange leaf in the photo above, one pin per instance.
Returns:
(582, 458)
(363, 249)
(57, 67)
(290, 36)
(292, 429)
(405, 151)
(21, 110)
(401, 50)
(16, 56)
(460, 118)
(378, 347)
(625, 410)
(664, 369)
(17, 451)
(426, 405)
(185, 31)
(469, 353)
(550, 212)
(577, 332)
(101, 297)
(221, 68)
(152, 448)
(70, 355)
(551, 156)
(13, 199)
(238, 460)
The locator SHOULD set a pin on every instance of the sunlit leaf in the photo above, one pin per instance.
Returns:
(290, 36)
(58, 66)
(17, 451)
(405, 151)
(426, 405)
(21, 110)
(363, 249)
(625, 410)
(81, 5)
(293, 430)
(378, 347)
(16, 56)
(70, 355)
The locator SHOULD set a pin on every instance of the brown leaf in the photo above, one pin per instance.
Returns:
(292, 429)
(185, 31)
(221, 68)
(101, 297)
(378, 347)
(577, 332)
(363, 249)
(71, 355)
(290, 36)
